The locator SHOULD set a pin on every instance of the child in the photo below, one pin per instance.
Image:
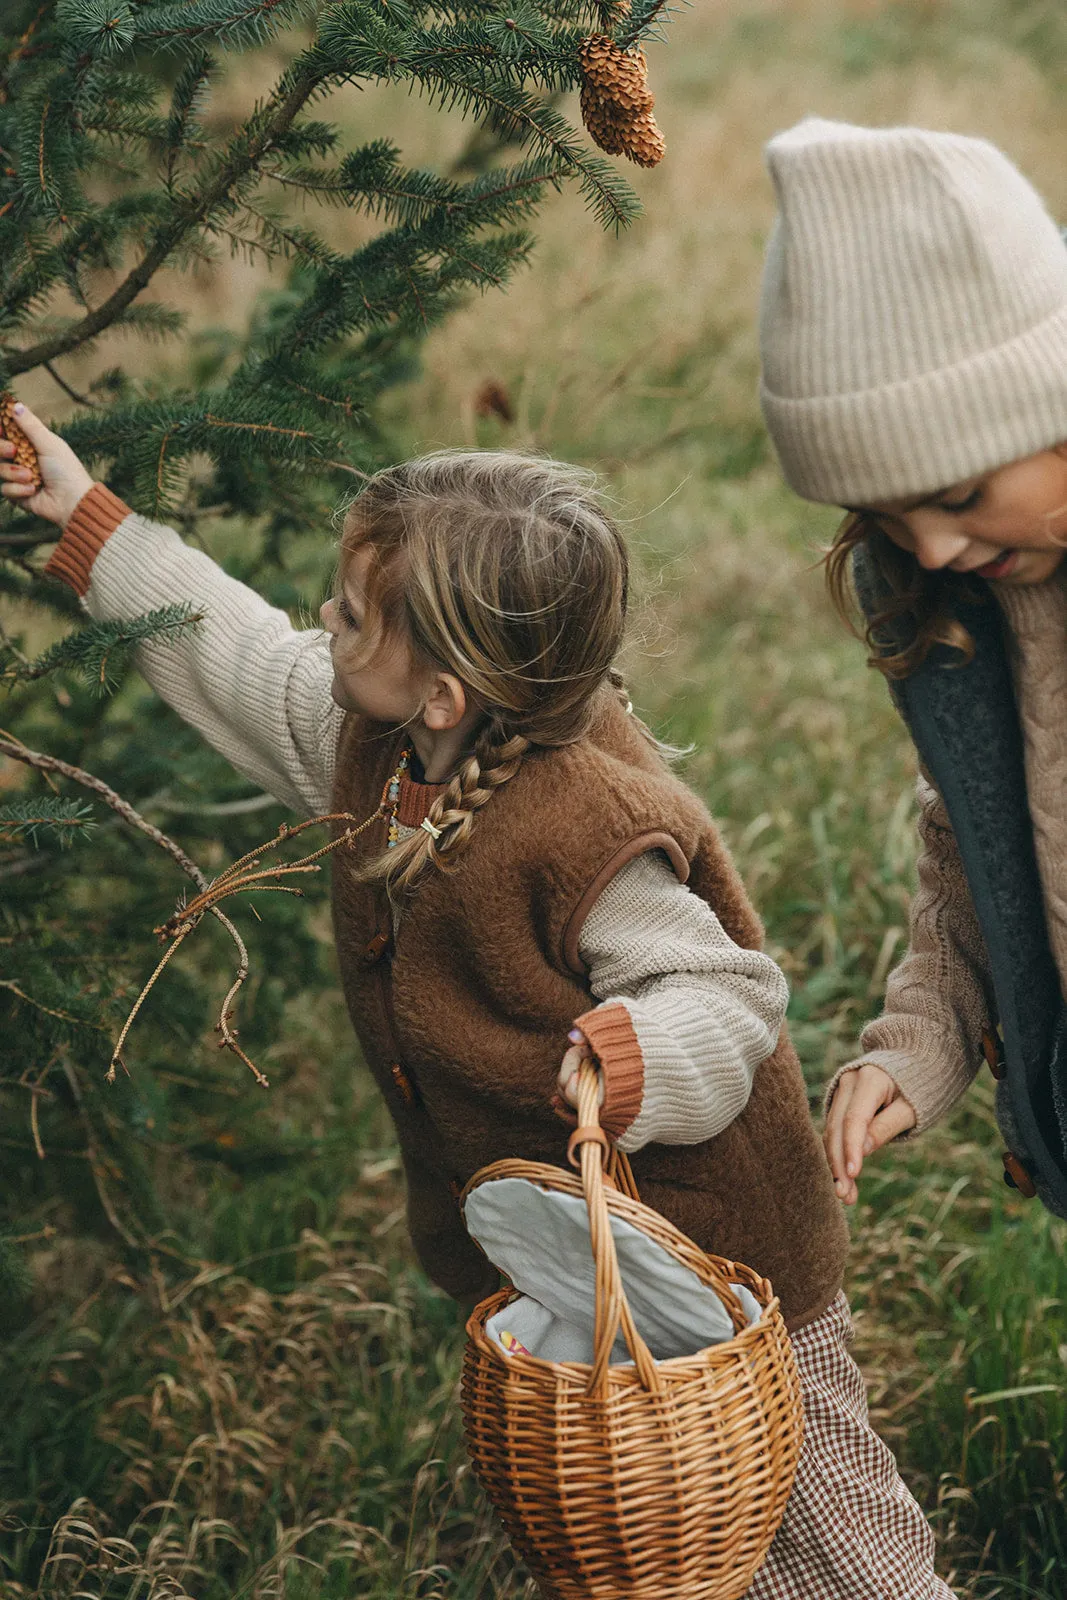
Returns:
(914, 334)
(543, 878)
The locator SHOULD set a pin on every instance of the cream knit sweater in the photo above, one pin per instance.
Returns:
(702, 1012)
(939, 1000)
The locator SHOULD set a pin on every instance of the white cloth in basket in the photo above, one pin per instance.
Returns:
(540, 1240)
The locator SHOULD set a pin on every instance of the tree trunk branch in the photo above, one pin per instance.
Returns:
(191, 216)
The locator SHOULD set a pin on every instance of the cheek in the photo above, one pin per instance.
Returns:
(897, 533)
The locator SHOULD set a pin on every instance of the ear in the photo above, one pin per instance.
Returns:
(446, 703)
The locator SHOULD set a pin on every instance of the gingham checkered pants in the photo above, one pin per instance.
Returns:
(851, 1530)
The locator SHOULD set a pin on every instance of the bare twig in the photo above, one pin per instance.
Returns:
(17, 751)
(95, 1164)
(48, 764)
(8, 644)
(81, 399)
(64, 1016)
(116, 1054)
(244, 876)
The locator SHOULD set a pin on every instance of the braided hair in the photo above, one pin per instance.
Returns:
(507, 571)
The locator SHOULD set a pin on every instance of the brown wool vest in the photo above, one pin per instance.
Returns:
(464, 1022)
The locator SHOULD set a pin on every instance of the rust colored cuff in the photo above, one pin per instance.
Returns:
(611, 1036)
(95, 518)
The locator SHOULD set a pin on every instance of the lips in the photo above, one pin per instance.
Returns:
(999, 567)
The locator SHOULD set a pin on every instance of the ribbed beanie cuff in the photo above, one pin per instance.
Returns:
(914, 313)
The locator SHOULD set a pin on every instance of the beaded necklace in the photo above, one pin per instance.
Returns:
(391, 796)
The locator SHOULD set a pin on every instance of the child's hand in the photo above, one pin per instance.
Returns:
(65, 479)
(866, 1112)
(568, 1072)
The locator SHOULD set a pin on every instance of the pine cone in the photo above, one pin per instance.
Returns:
(617, 103)
(619, 76)
(646, 144)
(25, 454)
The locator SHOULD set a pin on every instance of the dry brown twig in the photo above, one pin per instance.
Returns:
(245, 876)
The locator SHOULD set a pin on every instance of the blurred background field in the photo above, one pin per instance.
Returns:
(282, 1420)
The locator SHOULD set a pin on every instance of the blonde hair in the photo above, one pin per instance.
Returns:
(507, 571)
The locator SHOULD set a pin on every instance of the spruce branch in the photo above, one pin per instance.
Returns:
(246, 151)
(92, 650)
(49, 1011)
(234, 24)
(25, 818)
(645, 20)
(187, 96)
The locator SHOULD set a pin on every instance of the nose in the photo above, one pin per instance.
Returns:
(935, 541)
(327, 616)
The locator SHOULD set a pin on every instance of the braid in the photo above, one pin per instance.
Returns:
(618, 683)
(669, 752)
(493, 763)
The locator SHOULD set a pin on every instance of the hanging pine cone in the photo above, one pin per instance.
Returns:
(25, 454)
(617, 102)
(646, 144)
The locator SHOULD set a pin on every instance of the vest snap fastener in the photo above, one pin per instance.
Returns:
(375, 948)
(403, 1083)
(992, 1053)
(1017, 1177)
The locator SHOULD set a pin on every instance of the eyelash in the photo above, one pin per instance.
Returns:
(345, 614)
(958, 506)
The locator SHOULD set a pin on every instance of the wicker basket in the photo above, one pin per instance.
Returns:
(659, 1479)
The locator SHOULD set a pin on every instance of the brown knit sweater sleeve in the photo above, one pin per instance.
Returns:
(939, 998)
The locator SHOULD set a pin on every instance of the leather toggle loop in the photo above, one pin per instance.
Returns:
(992, 1052)
(1017, 1177)
(589, 1134)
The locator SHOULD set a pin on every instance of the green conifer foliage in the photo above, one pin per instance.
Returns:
(113, 173)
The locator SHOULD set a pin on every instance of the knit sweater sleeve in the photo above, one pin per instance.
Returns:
(686, 1015)
(939, 998)
(257, 688)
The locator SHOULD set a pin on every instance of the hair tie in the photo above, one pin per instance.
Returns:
(428, 827)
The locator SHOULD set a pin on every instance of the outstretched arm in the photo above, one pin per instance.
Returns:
(257, 688)
(925, 1049)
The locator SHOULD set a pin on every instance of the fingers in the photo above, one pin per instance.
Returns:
(17, 481)
(834, 1132)
(868, 1097)
(860, 1097)
(896, 1119)
(37, 432)
(568, 1072)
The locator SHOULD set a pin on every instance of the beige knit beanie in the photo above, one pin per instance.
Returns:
(913, 326)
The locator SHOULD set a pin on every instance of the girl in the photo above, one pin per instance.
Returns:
(542, 888)
(914, 339)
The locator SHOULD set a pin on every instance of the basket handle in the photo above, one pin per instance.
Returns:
(612, 1306)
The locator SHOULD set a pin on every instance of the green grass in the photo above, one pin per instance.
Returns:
(278, 1416)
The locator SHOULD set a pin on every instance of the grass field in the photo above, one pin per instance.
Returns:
(284, 1422)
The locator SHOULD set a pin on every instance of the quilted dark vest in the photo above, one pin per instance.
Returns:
(965, 725)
